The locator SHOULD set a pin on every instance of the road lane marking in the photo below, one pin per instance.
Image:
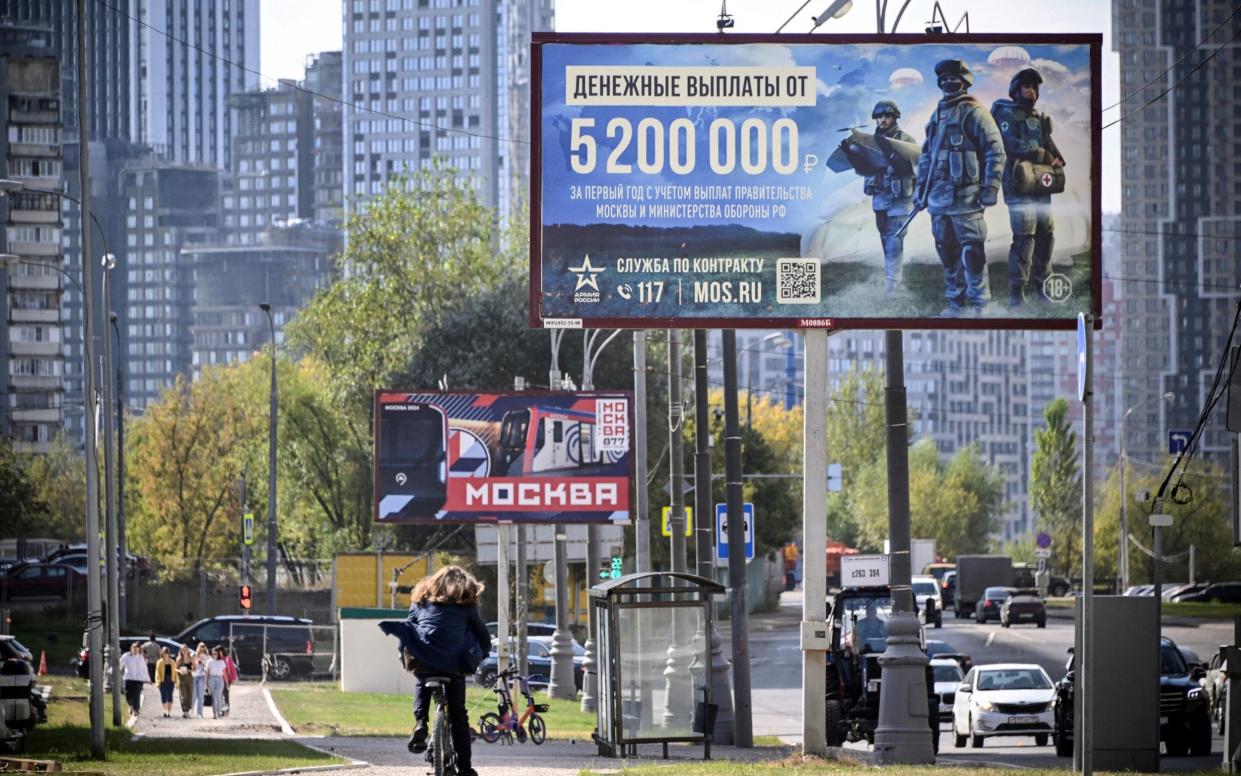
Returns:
(990, 638)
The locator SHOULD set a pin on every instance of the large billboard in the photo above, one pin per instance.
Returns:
(524, 457)
(815, 181)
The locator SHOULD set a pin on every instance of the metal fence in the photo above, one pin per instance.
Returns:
(292, 652)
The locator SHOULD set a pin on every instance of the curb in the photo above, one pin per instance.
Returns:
(285, 727)
(347, 766)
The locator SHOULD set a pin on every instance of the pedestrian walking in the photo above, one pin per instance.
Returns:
(185, 679)
(166, 679)
(230, 678)
(134, 673)
(150, 650)
(215, 681)
(200, 677)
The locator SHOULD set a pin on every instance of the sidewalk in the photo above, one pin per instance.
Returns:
(249, 716)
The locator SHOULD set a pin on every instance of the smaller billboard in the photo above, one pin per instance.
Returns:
(487, 457)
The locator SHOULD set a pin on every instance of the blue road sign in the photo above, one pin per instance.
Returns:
(1043, 540)
(1178, 441)
(721, 532)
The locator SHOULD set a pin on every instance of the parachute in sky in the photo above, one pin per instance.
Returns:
(905, 76)
(1009, 57)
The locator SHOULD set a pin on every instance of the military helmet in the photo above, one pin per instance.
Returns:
(1027, 76)
(885, 106)
(946, 67)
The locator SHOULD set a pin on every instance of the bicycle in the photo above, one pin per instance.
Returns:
(440, 752)
(506, 724)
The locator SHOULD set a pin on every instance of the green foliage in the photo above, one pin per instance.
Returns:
(955, 503)
(425, 247)
(22, 511)
(1056, 488)
(1205, 522)
(58, 478)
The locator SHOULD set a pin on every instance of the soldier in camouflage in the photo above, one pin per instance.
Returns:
(891, 195)
(1027, 137)
(959, 171)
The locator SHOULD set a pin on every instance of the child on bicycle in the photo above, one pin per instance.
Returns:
(449, 638)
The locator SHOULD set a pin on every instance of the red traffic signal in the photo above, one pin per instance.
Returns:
(245, 597)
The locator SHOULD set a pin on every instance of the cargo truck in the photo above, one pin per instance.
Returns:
(975, 573)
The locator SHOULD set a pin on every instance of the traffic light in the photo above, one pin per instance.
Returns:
(245, 597)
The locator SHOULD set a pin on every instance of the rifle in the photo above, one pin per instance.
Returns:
(924, 182)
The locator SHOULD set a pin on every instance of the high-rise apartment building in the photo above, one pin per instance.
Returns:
(324, 80)
(31, 362)
(271, 182)
(434, 78)
(1181, 179)
(169, 208)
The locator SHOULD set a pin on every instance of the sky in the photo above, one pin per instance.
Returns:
(291, 29)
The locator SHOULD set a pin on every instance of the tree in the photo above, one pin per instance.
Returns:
(59, 479)
(423, 247)
(22, 511)
(957, 504)
(1056, 488)
(187, 453)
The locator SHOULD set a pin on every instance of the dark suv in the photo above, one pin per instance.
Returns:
(287, 642)
(1184, 711)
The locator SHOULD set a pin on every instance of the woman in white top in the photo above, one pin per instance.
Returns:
(134, 672)
(200, 677)
(215, 681)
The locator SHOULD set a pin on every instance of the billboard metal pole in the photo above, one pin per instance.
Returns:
(560, 683)
(641, 525)
(678, 697)
(814, 635)
(742, 721)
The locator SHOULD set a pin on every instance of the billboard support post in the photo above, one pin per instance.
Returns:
(641, 525)
(678, 695)
(742, 722)
(721, 692)
(504, 545)
(560, 684)
(814, 640)
(523, 590)
(902, 736)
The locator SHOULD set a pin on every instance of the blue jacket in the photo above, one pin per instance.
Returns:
(448, 638)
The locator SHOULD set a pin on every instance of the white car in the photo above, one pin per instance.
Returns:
(926, 587)
(1003, 699)
(948, 676)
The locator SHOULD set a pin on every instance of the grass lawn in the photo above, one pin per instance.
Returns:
(321, 708)
(66, 738)
(1173, 609)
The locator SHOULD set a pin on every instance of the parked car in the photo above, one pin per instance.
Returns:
(1184, 706)
(1170, 590)
(1219, 592)
(38, 580)
(927, 601)
(287, 643)
(125, 642)
(941, 649)
(988, 606)
(1216, 685)
(948, 676)
(1023, 606)
(948, 588)
(1140, 590)
(1003, 699)
(532, 628)
(539, 662)
(20, 708)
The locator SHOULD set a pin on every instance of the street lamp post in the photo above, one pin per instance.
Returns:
(271, 471)
(122, 548)
(1124, 496)
(108, 262)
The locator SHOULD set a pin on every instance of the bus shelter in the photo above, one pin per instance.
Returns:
(654, 661)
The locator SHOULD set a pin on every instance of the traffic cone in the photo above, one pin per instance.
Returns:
(43, 663)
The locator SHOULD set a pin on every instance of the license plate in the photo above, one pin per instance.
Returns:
(1163, 720)
(1022, 720)
(872, 685)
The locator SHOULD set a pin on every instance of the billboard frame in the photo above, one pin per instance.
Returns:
(1094, 41)
(498, 517)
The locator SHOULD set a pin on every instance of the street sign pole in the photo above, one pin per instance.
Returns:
(743, 735)
(1085, 662)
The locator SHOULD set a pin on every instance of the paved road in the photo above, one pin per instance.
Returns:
(776, 676)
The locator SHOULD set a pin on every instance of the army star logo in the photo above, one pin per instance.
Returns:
(587, 275)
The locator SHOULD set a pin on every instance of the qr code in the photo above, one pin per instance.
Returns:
(797, 281)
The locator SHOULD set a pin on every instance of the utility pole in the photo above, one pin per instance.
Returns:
(94, 592)
(814, 633)
(523, 584)
(742, 720)
(1086, 661)
(122, 560)
(704, 550)
(271, 470)
(560, 683)
(902, 736)
(641, 525)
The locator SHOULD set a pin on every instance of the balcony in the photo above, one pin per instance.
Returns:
(34, 149)
(37, 315)
(32, 448)
(37, 382)
(24, 348)
(17, 216)
(38, 282)
(35, 415)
